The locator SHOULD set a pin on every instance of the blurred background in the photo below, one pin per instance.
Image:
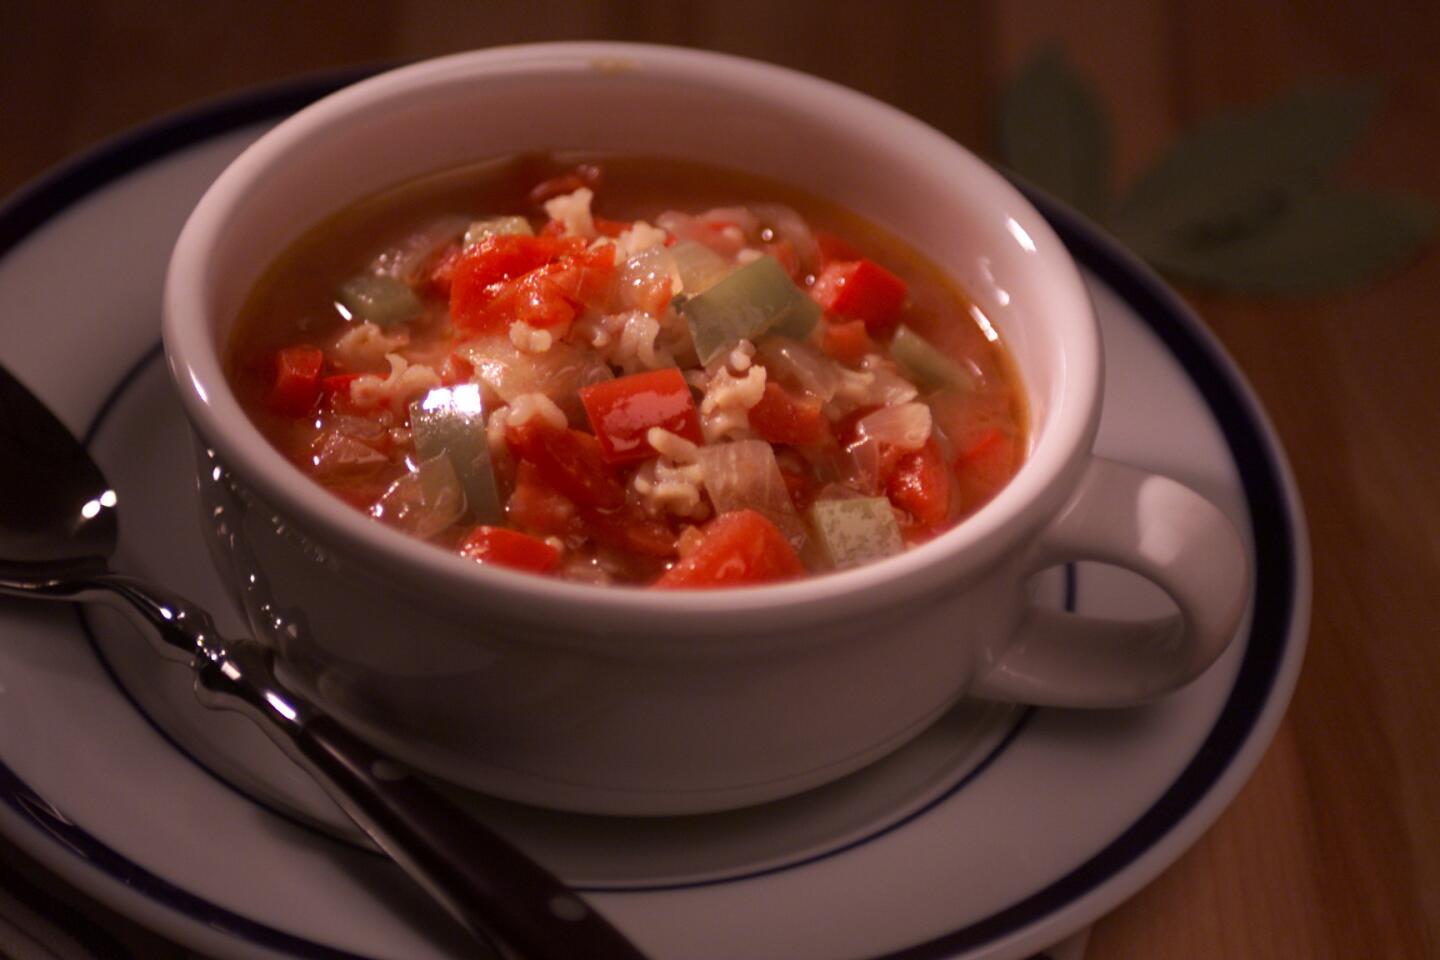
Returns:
(1333, 849)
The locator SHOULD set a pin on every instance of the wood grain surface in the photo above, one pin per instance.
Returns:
(1333, 849)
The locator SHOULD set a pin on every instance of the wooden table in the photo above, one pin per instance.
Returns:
(1333, 849)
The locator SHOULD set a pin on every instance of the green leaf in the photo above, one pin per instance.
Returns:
(1053, 132)
(1233, 172)
(1330, 239)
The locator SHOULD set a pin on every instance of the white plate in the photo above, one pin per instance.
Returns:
(994, 834)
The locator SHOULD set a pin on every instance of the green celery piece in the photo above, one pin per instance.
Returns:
(925, 364)
(372, 298)
(497, 226)
(757, 298)
(450, 421)
(852, 532)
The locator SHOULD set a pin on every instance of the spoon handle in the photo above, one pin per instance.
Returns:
(492, 888)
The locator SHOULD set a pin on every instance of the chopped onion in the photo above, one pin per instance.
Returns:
(406, 260)
(558, 373)
(698, 266)
(906, 425)
(423, 502)
(745, 474)
(889, 387)
(335, 455)
(652, 269)
(801, 365)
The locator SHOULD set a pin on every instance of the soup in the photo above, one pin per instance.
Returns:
(623, 370)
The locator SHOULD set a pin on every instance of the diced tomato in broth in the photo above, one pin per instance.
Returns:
(297, 380)
(509, 548)
(781, 417)
(846, 340)
(862, 290)
(737, 549)
(623, 410)
(569, 461)
(920, 485)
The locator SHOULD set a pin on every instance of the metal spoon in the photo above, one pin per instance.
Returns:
(57, 531)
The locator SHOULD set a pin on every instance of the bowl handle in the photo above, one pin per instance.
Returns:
(1163, 531)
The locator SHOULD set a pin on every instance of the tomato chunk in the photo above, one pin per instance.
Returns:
(569, 461)
(509, 548)
(623, 410)
(736, 549)
(297, 380)
(920, 485)
(846, 340)
(861, 290)
(780, 417)
(479, 277)
(983, 468)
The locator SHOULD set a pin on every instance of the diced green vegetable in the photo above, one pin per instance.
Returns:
(371, 298)
(699, 266)
(925, 364)
(756, 298)
(450, 422)
(852, 532)
(497, 226)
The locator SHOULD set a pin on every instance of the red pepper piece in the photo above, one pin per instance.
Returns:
(920, 485)
(737, 549)
(509, 548)
(780, 417)
(623, 410)
(297, 380)
(861, 290)
(569, 461)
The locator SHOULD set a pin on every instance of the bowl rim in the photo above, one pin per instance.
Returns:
(193, 353)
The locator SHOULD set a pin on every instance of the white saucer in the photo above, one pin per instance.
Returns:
(998, 832)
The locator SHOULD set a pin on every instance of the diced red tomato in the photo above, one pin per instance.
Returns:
(587, 278)
(535, 506)
(335, 390)
(509, 548)
(736, 549)
(781, 417)
(623, 410)
(630, 529)
(532, 300)
(846, 340)
(920, 485)
(861, 290)
(479, 276)
(297, 380)
(984, 467)
(569, 461)
(584, 175)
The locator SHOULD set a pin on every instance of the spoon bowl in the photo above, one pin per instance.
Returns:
(58, 529)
